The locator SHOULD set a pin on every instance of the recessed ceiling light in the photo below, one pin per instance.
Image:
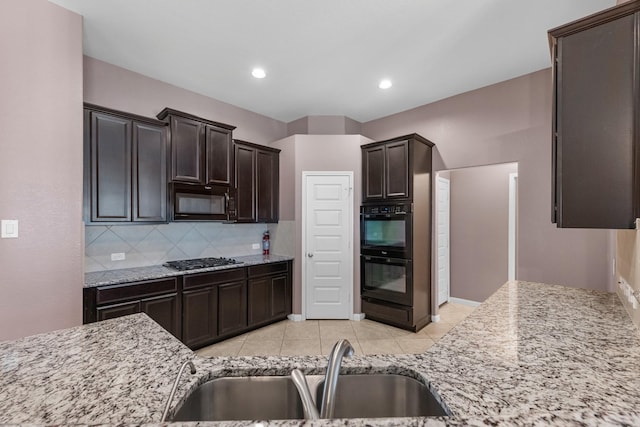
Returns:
(258, 73)
(384, 84)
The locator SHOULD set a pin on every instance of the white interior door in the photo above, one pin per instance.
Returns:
(327, 246)
(442, 236)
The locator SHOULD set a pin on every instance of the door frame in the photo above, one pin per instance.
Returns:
(437, 196)
(303, 254)
(513, 219)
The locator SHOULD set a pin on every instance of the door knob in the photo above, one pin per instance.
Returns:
(310, 255)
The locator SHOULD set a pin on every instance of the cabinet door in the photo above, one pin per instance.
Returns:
(267, 182)
(596, 89)
(218, 155)
(245, 165)
(186, 150)
(373, 173)
(280, 296)
(164, 310)
(110, 148)
(149, 173)
(397, 170)
(118, 310)
(259, 300)
(232, 307)
(199, 316)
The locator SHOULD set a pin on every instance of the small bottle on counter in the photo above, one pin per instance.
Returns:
(265, 243)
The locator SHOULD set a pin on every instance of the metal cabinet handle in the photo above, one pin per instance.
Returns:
(310, 255)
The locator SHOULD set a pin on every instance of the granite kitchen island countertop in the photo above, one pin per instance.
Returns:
(125, 275)
(531, 354)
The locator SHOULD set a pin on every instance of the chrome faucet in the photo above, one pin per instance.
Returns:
(340, 349)
(188, 363)
(308, 404)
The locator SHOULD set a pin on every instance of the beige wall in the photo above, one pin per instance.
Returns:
(114, 87)
(511, 122)
(319, 153)
(40, 167)
(324, 125)
(479, 230)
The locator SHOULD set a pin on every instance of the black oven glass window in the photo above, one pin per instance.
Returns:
(199, 204)
(385, 233)
(386, 277)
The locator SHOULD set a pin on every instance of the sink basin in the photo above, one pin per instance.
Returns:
(242, 398)
(276, 398)
(382, 395)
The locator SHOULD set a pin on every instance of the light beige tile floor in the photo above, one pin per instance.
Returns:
(315, 337)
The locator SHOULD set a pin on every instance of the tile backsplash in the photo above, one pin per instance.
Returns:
(145, 245)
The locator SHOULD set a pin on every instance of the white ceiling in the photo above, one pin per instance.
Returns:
(326, 57)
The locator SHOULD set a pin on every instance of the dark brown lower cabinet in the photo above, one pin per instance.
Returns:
(201, 308)
(164, 310)
(269, 293)
(199, 322)
(159, 299)
(232, 307)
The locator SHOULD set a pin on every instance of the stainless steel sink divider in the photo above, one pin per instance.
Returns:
(175, 386)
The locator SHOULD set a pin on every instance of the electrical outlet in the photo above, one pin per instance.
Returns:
(255, 246)
(118, 256)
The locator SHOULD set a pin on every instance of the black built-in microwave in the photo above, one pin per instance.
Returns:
(198, 202)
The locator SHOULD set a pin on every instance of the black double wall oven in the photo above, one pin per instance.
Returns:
(386, 252)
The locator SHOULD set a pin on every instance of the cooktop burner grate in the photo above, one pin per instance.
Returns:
(196, 263)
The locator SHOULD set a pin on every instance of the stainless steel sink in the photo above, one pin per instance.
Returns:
(276, 398)
(242, 398)
(382, 395)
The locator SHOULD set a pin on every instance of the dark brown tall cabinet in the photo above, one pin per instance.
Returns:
(256, 182)
(596, 120)
(395, 268)
(125, 167)
(200, 148)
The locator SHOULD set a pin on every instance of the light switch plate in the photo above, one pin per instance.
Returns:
(255, 246)
(9, 228)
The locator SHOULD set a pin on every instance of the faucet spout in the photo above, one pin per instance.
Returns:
(192, 369)
(308, 404)
(341, 349)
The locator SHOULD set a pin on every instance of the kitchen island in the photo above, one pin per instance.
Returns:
(531, 354)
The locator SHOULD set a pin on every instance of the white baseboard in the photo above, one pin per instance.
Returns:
(357, 316)
(435, 318)
(295, 317)
(465, 302)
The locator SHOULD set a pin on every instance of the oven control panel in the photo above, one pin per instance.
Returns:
(398, 209)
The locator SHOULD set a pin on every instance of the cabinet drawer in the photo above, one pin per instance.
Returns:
(391, 313)
(272, 268)
(206, 279)
(127, 291)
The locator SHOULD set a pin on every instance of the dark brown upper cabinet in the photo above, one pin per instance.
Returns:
(200, 148)
(256, 181)
(596, 120)
(387, 168)
(125, 167)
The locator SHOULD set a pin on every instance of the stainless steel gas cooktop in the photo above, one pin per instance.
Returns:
(194, 264)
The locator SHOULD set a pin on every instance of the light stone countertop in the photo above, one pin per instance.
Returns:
(125, 275)
(531, 354)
